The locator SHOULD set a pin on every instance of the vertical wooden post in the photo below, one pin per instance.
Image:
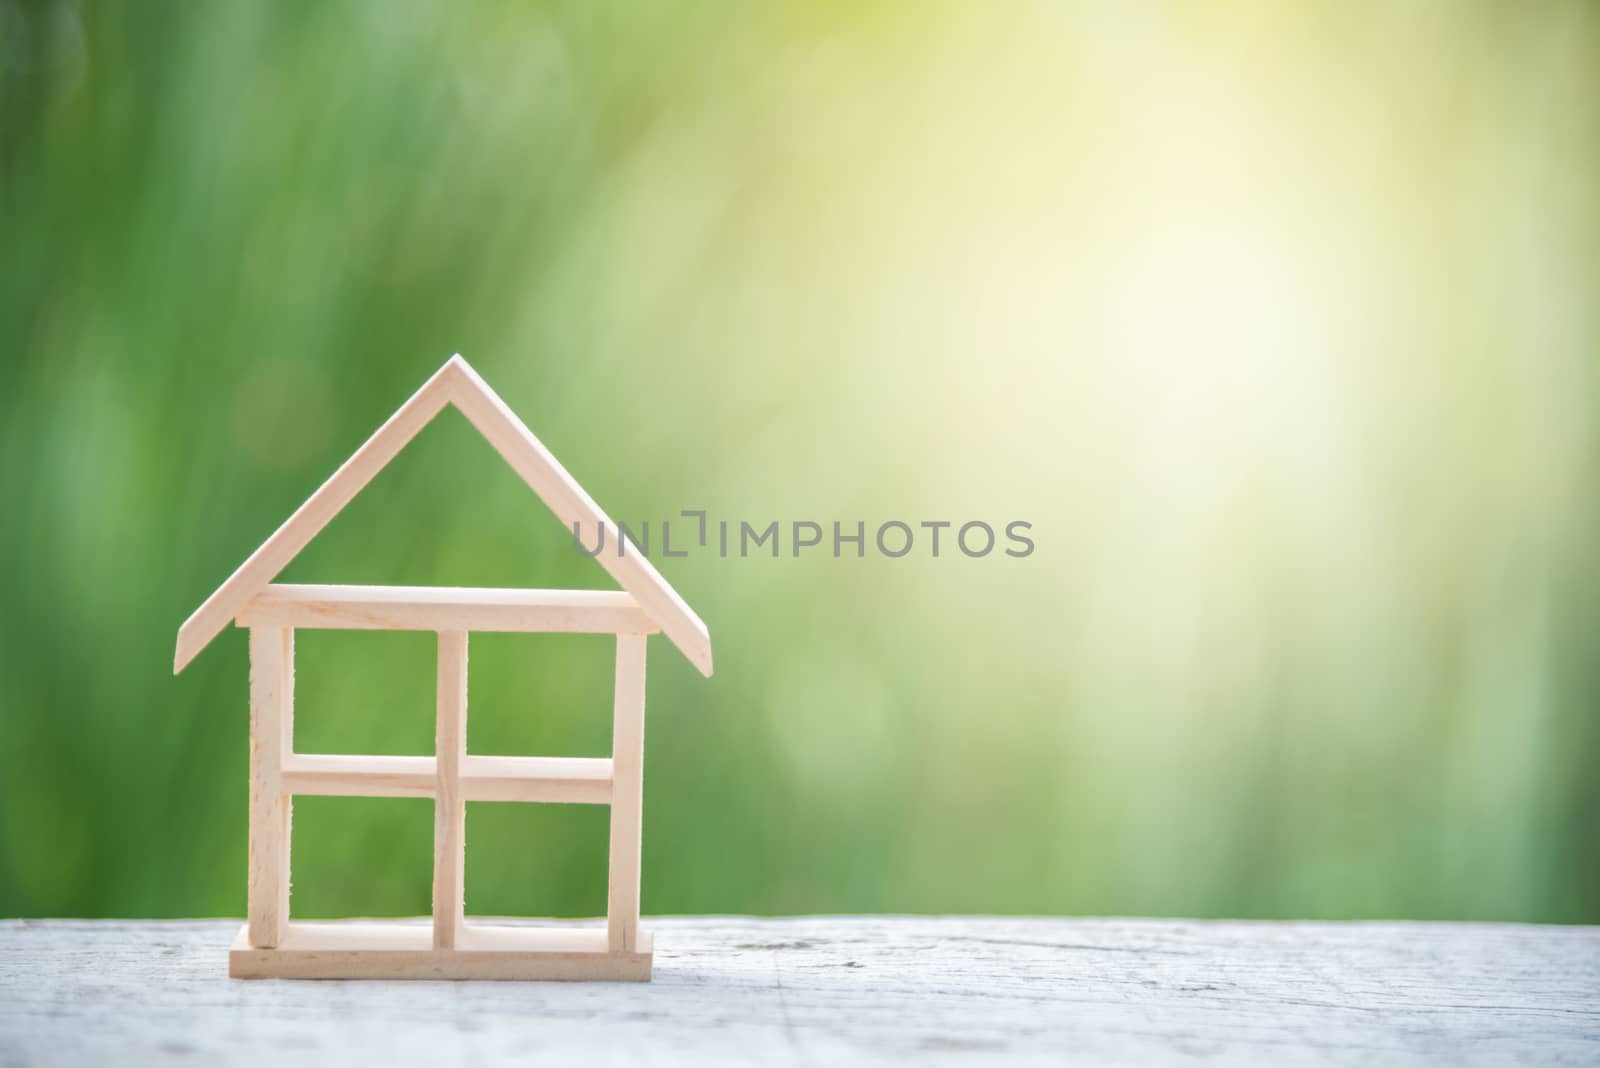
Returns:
(627, 794)
(449, 807)
(271, 740)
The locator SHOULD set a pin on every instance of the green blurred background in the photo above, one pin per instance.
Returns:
(1278, 321)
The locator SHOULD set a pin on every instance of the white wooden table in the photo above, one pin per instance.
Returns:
(844, 990)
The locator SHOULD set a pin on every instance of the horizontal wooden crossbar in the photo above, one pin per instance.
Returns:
(446, 608)
(581, 780)
(401, 950)
(572, 780)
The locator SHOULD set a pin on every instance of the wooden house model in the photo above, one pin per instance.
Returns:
(271, 945)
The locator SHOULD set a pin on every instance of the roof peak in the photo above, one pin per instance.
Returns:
(457, 383)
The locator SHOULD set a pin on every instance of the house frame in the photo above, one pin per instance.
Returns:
(269, 945)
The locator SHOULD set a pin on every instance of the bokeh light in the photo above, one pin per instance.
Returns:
(1277, 323)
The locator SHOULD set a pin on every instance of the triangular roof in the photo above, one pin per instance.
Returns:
(454, 383)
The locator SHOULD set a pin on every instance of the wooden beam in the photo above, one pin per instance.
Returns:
(571, 503)
(274, 554)
(577, 780)
(271, 738)
(449, 806)
(456, 383)
(401, 950)
(446, 608)
(571, 780)
(627, 794)
(359, 776)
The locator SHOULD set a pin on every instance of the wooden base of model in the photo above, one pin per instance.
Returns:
(396, 950)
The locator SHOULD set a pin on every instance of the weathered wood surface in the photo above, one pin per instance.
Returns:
(838, 991)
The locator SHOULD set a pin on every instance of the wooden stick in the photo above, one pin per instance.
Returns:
(285, 752)
(274, 554)
(449, 806)
(402, 950)
(571, 780)
(627, 794)
(446, 608)
(271, 701)
(454, 383)
(571, 503)
(338, 775)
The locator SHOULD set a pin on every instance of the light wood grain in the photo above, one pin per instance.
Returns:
(449, 807)
(571, 503)
(627, 793)
(274, 554)
(394, 950)
(337, 775)
(446, 608)
(271, 738)
(645, 605)
(454, 383)
(571, 780)
(844, 991)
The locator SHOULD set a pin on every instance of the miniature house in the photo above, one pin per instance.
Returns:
(269, 944)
